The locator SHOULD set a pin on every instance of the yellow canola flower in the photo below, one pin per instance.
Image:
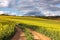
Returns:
(1, 29)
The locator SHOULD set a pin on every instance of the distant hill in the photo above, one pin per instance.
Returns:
(34, 13)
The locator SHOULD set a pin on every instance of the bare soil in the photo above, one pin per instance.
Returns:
(39, 36)
(21, 36)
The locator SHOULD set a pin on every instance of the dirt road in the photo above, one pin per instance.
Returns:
(21, 36)
(38, 36)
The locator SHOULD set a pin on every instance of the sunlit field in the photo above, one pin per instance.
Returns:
(48, 27)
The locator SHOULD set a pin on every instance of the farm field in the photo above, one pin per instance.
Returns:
(47, 27)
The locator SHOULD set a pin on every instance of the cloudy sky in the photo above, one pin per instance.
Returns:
(20, 7)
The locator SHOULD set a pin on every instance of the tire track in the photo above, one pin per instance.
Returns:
(38, 36)
(19, 35)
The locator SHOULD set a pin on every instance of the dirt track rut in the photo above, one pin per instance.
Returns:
(21, 36)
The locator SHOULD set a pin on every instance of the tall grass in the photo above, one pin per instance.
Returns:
(7, 30)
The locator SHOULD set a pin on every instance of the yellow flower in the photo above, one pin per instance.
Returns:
(1, 29)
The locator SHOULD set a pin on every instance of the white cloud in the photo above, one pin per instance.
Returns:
(44, 4)
(40, 5)
(49, 13)
(1, 12)
(4, 3)
(7, 12)
(12, 13)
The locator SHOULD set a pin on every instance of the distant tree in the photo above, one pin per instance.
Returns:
(4, 14)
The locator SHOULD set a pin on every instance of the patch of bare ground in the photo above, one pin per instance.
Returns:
(39, 36)
(19, 35)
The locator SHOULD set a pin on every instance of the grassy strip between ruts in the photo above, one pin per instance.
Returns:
(28, 35)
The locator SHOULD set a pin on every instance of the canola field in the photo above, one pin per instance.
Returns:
(50, 28)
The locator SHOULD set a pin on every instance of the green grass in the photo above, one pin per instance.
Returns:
(48, 27)
(7, 29)
(29, 36)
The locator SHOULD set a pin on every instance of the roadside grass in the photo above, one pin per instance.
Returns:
(7, 29)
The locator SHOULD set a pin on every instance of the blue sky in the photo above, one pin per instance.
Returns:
(21, 7)
(58, 5)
